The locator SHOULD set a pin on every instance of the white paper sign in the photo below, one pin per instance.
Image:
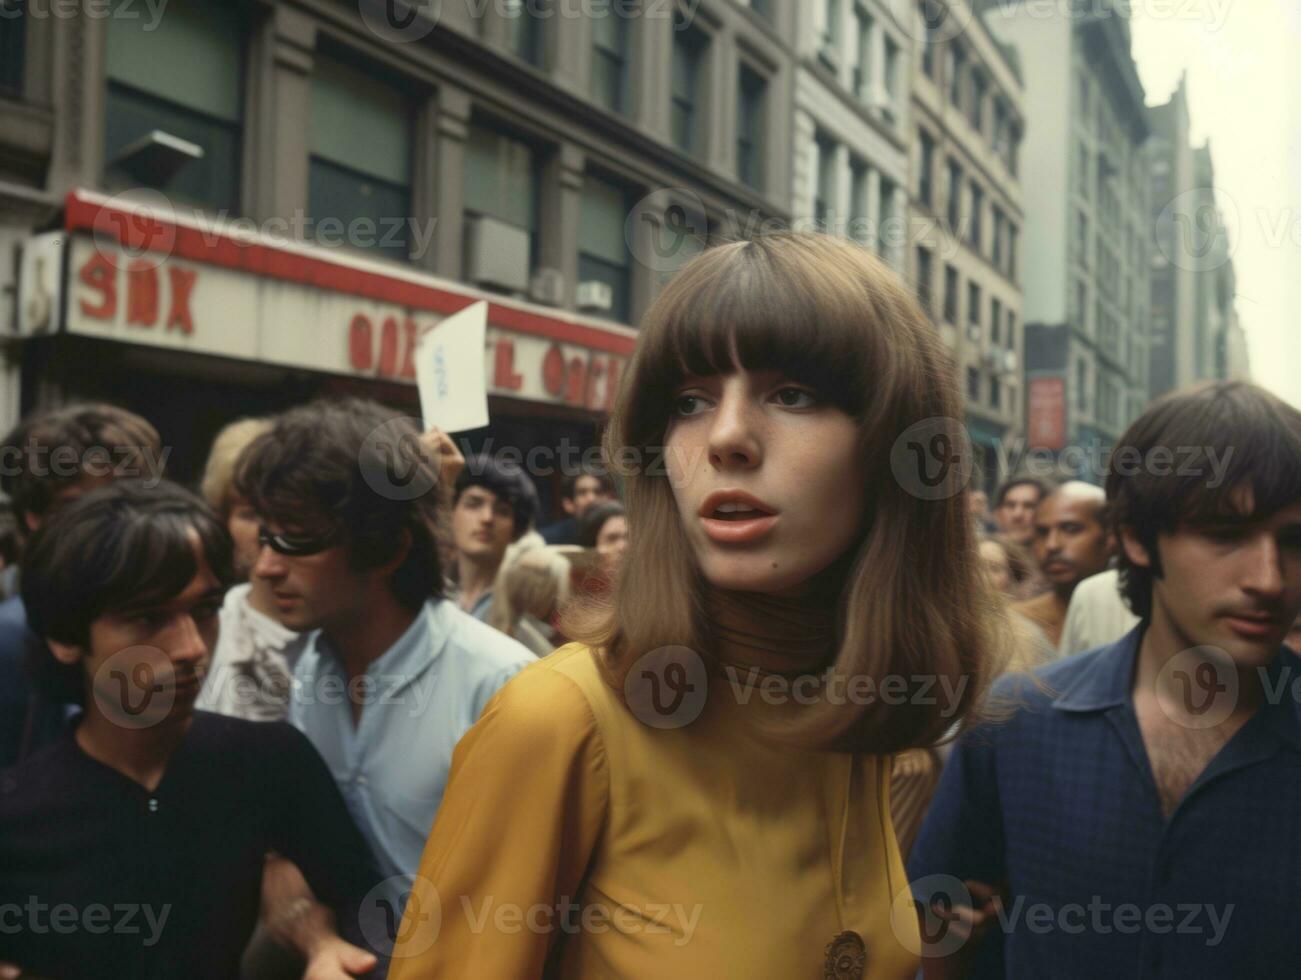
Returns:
(450, 371)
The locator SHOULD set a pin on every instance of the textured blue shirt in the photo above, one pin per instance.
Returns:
(420, 696)
(1059, 802)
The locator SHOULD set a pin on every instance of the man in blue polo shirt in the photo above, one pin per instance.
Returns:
(394, 673)
(1139, 812)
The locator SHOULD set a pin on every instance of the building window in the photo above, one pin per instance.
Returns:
(526, 22)
(824, 193)
(891, 75)
(885, 225)
(689, 49)
(360, 167)
(501, 180)
(1011, 330)
(995, 321)
(933, 13)
(973, 385)
(863, 59)
(182, 78)
(974, 329)
(955, 196)
(996, 246)
(925, 269)
(978, 89)
(1080, 310)
(950, 295)
(1082, 386)
(858, 222)
(995, 393)
(1082, 238)
(957, 61)
(926, 168)
(827, 51)
(976, 225)
(610, 60)
(13, 45)
(749, 127)
(603, 254)
(1011, 251)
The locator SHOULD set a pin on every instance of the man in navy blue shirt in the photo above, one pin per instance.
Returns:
(1139, 812)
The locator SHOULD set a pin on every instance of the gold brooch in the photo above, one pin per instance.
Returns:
(846, 957)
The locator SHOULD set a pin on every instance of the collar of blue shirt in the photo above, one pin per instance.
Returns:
(413, 652)
(1104, 682)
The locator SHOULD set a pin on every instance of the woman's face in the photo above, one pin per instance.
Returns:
(996, 565)
(780, 464)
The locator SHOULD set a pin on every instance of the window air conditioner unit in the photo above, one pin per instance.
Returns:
(496, 254)
(548, 287)
(1010, 362)
(595, 297)
(974, 332)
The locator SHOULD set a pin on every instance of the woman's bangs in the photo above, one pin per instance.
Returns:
(749, 313)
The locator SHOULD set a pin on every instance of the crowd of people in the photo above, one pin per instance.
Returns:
(297, 723)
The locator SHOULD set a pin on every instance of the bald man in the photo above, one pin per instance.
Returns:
(1070, 543)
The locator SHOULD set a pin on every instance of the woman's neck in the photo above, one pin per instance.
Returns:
(773, 633)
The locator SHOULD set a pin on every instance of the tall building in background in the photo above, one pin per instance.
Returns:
(232, 206)
(1087, 239)
(1172, 279)
(850, 122)
(967, 217)
(1195, 333)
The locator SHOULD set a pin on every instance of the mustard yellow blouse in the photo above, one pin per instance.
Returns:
(574, 841)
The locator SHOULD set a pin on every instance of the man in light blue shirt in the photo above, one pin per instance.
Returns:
(394, 673)
(419, 697)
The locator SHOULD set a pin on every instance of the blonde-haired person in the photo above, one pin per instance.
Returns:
(700, 788)
(251, 672)
(531, 587)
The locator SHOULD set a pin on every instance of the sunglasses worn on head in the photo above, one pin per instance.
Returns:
(285, 544)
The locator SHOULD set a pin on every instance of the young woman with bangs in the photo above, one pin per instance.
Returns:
(699, 788)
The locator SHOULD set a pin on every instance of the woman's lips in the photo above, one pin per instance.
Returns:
(738, 531)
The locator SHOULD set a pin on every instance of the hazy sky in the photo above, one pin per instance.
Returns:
(1244, 92)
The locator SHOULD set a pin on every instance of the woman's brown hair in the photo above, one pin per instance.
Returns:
(914, 600)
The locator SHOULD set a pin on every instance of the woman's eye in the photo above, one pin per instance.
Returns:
(687, 404)
(796, 398)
